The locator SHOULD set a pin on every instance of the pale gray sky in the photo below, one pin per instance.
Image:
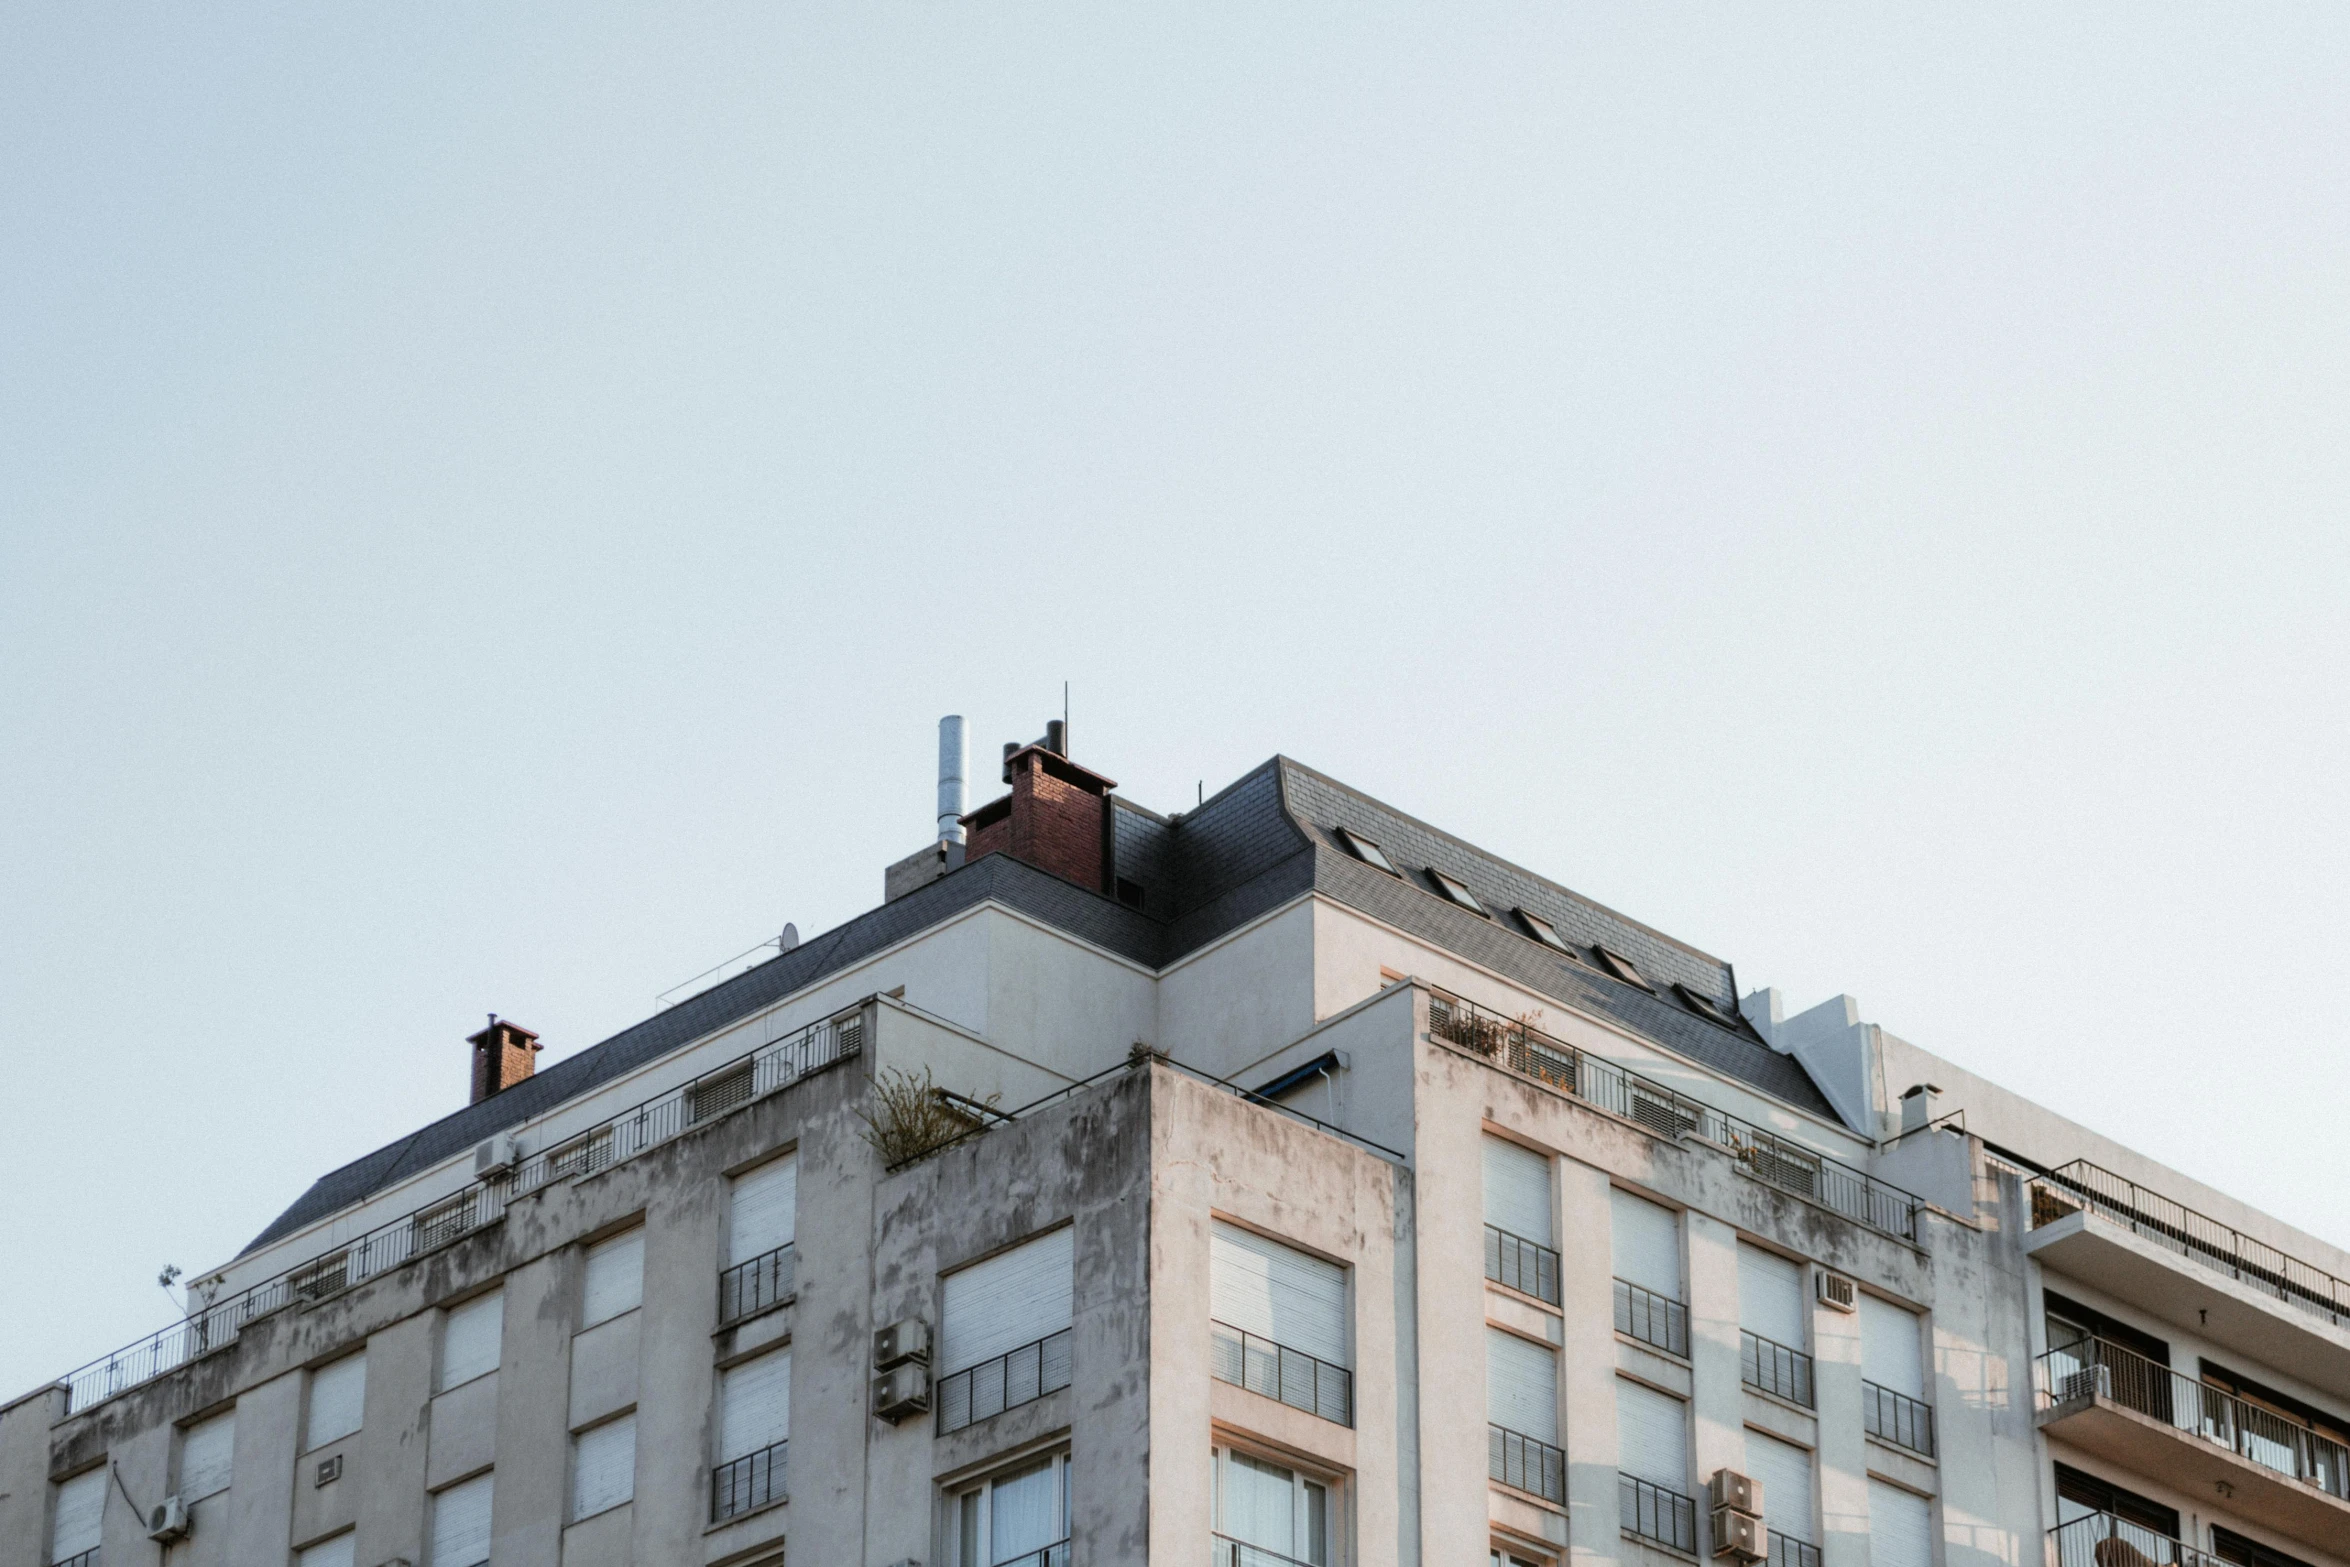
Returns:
(493, 500)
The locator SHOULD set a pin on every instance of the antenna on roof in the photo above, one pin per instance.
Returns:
(1064, 718)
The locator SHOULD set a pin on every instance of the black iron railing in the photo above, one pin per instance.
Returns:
(1764, 1154)
(1652, 1318)
(1526, 1463)
(1016, 1377)
(748, 1482)
(1514, 1262)
(1277, 1371)
(1225, 1551)
(2077, 1545)
(1788, 1551)
(2097, 1368)
(1650, 1512)
(1897, 1418)
(1053, 1555)
(216, 1324)
(1773, 1368)
(88, 1558)
(748, 1288)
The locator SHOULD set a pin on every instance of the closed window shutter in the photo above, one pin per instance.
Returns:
(1521, 1386)
(754, 1406)
(766, 1202)
(461, 1524)
(337, 1552)
(1517, 1190)
(1013, 1298)
(1278, 1293)
(338, 1399)
(1770, 1297)
(1647, 1244)
(603, 1467)
(1901, 1530)
(1889, 1354)
(472, 1338)
(1651, 1436)
(207, 1453)
(615, 1279)
(1785, 1472)
(81, 1515)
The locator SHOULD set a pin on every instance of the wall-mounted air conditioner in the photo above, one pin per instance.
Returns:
(1739, 1537)
(901, 1342)
(902, 1392)
(1736, 1492)
(498, 1156)
(169, 1523)
(1836, 1292)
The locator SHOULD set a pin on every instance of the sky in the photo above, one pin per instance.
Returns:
(494, 500)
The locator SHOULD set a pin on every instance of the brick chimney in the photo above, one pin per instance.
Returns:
(1057, 816)
(503, 1055)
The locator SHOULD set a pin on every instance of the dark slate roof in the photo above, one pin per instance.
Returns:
(1252, 847)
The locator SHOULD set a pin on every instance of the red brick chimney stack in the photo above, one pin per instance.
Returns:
(503, 1055)
(1057, 816)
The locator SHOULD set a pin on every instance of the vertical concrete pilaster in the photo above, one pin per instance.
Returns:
(534, 1398)
(1588, 1365)
(392, 1441)
(674, 1375)
(141, 1464)
(260, 1510)
(839, 1449)
(1719, 1402)
(1181, 1471)
(24, 1477)
(1843, 1456)
(1449, 1163)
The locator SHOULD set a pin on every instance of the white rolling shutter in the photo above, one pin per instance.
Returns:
(81, 1515)
(1013, 1298)
(1522, 1386)
(1517, 1190)
(1647, 1244)
(1652, 1436)
(472, 1338)
(338, 1400)
(461, 1524)
(337, 1552)
(1278, 1293)
(1901, 1528)
(1889, 1353)
(1770, 1297)
(765, 1208)
(615, 1280)
(1785, 1472)
(754, 1406)
(603, 1467)
(207, 1454)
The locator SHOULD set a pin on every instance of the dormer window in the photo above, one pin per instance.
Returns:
(1703, 1005)
(1366, 851)
(1545, 932)
(1456, 892)
(1620, 966)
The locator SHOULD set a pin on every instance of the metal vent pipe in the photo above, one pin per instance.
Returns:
(950, 778)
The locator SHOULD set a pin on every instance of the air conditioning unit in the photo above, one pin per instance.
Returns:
(169, 1523)
(901, 1342)
(902, 1392)
(1836, 1292)
(1736, 1492)
(1739, 1537)
(2088, 1382)
(498, 1156)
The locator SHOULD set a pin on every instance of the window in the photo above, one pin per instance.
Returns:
(1280, 1322)
(1703, 1005)
(1264, 1506)
(1004, 1334)
(615, 1279)
(1366, 851)
(1131, 892)
(603, 1467)
(1652, 1436)
(1773, 1319)
(1901, 1527)
(80, 1517)
(720, 1092)
(1522, 1415)
(1510, 1558)
(1785, 1472)
(1458, 893)
(1620, 966)
(329, 1553)
(461, 1524)
(1892, 1368)
(338, 1398)
(754, 1430)
(1518, 1222)
(1646, 1243)
(581, 1157)
(472, 1338)
(2229, 1546)
(2081, 1495)
(764, 1210)
(1544, 931)
(1018, 1517)
(207, 1453)
(315, 1280)
(442, 1223)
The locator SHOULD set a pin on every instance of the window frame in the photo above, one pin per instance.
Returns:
(1366, 850)
(1456, 892)
(975, 1494)
(1543, 931)
(471, 1303)
(571, 1499)
(1621, 967)
(1226, 1445)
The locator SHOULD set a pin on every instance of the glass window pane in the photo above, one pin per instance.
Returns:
(1260, 1502)
(1025, 1511)
(1317, 1540)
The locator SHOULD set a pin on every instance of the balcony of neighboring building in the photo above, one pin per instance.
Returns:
(2196, 1438)
(2188, 1268)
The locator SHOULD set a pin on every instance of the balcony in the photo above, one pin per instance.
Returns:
(1020, 1376)
(1524, 1463)
(2102, 1540)
(2196, 1438)
(1788, 1551)
(748, 1483)
(1897, 1418)
(1513, 1262)
(748, 1288)
(1775, 1369)
(1652, 1513)
(1225, 1551)
(1651, 1318)
(1277, 1371)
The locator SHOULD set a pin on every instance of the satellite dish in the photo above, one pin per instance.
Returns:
(788, 940)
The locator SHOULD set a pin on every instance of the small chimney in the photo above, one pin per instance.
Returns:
(950, 778)
(1920, 1103)
(503, 1055)
(1057, 817)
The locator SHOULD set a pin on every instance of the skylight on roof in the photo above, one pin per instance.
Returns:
(1545, 932)
(1366, 851)
(1621, 967)
(1703, 1005)
(1456, 891)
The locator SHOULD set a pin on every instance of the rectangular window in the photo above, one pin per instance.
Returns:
(1522, 1386)
(461, 1524)
(207, 1454)
(754, 1433)
(603, 1467)
(1647, 1243)
(338, 1400)
(1517, 1190)
(1457, 891)
(1366, 851)
(1262, 1506)
(720, 1092)
(1545, 932)
(1771, 1302)
(80, 1517)
(1889, 1353)
(1652, 1436)
(1280, 1322)
(1013, 1299)
(472, 1338)
(1785, 1473)
(336, 1552)
(1901, 1528)
(1019, 1518)
(762, 1210)
(615, 1279)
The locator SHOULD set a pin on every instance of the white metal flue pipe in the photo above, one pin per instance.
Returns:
(950, 778)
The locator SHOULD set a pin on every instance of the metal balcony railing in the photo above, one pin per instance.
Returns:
(746, 1483)
(1514, 1262)
(1788, 1551)
(1526, 1463)
(748, 1288)
(2102, 1369)
(1277, 1371)
(1225, 1551)
(1016, 1377)
(1897, 1418)
(88, 1558)
(1053, 1555)
(1775, 1369)
(2082, 1543)
(2197, 1237)
(1652, 1318)
(1650, 1512)
(1765, 1155)
(216, 1324)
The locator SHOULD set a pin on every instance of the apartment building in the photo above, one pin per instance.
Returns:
(1283, 1181)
